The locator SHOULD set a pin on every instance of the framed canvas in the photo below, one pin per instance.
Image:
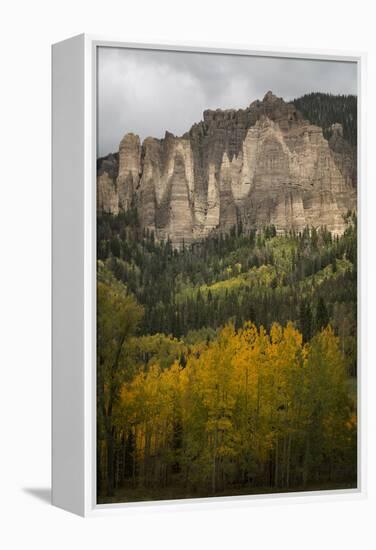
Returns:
(208, 280)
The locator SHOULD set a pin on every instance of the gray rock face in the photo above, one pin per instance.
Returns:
(261, 165)
(107, 195)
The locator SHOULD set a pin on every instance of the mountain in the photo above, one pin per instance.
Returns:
(263, 165)
(327, 109)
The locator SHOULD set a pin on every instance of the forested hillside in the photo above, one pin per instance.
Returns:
(227, 366)
(327, 109)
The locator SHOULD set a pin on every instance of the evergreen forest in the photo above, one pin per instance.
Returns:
(327, 109)
(227, 366)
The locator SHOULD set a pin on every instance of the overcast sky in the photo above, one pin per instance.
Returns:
(148, 92)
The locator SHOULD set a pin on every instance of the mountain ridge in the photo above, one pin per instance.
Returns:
(262, 165)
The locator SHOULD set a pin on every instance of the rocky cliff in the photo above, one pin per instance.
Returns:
(261, 165)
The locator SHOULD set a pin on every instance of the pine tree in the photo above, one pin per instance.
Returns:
(322, 316)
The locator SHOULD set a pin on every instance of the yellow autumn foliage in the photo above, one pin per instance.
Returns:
(242, 401)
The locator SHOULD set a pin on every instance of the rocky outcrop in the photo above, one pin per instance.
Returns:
(261, 165)
(107, 195)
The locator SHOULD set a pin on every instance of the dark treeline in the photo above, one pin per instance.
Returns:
(326, 109)
(249, 411)
(308, 278)
(227, 366)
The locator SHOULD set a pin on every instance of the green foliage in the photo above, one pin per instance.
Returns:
(327, 109)
(200, 391)
(247, 409)
(118, 315)
(262, 277)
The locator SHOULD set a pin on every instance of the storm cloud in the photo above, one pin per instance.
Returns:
(150, 91)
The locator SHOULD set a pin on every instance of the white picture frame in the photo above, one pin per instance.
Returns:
(74, 278)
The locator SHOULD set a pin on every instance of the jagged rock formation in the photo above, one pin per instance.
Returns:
(261, 165)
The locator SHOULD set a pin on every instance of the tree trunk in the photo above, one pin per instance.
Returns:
(306, 463)
(288, 462)
(100, 487)
(110, 463)
(134, 458)
(276, 464)
(214, 471)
